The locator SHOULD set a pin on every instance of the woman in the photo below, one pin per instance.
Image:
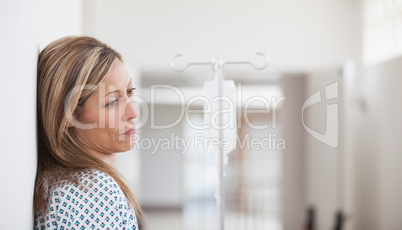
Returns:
(86, 115)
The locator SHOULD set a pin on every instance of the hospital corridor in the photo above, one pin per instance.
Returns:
(252, 115)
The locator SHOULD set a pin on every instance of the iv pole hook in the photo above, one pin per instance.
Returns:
(214, 62)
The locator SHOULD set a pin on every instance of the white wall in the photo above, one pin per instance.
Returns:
(323, 176)
(379, 156)
(18, 57)
(366, 134)
(294, 163)
(59, 18)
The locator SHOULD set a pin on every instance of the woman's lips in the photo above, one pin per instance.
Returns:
(130, 132)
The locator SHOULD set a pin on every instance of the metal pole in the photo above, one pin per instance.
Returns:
(221, 197)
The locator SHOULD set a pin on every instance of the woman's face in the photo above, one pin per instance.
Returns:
(112, 111)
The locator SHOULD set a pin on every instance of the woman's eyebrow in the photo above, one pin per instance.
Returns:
(116, 91)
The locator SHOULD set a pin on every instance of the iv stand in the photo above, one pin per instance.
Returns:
(217, 66)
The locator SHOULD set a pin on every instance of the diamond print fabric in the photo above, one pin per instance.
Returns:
(97, 202)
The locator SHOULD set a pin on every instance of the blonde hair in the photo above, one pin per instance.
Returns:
(68, 64)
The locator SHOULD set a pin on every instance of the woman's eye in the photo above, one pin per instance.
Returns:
(131, 91)
(112, 103)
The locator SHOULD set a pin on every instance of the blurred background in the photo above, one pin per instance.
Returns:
(345, 52)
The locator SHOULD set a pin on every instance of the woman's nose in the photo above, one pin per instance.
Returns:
(131, 111)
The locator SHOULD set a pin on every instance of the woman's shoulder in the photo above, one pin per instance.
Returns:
(86, 181)
(95, 179)
(93, 198)
(91, 185)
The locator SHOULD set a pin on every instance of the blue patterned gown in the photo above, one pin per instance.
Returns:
(97, 202)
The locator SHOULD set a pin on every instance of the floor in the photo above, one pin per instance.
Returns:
(178, 220)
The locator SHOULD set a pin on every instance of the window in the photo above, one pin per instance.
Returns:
(382, 30)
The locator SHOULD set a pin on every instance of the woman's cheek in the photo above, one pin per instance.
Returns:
(104, 117)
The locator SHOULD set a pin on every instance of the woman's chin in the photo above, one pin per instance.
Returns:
(127, 145)
(126, 142)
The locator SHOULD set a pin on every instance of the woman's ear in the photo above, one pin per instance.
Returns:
(70, 125)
